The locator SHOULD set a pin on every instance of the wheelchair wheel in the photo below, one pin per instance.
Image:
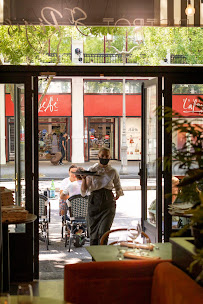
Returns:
(79, 240)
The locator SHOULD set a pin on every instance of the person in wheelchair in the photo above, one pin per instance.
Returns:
(72, 189)
(65, 183)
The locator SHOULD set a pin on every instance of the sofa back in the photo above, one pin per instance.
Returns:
(172, 286)
(115, 282)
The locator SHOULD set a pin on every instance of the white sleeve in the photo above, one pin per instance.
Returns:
(117, 184)
(66, 190)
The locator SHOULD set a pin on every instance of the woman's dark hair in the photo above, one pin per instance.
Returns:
(79, 169)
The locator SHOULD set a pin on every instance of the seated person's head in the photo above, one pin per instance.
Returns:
(72, 170)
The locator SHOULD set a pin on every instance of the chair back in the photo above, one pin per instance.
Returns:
(78, 206)
(106, 234)
(43, 203)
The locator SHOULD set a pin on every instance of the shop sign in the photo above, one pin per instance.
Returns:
(188, 105)
(51, 105)
(55, 105)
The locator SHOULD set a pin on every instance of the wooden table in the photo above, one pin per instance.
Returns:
(6, 255)
(109, 253)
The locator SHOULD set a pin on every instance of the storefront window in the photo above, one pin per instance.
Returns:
(57, 87)
(185, 100)
(101, 134)
(112, 87)
(50, 132)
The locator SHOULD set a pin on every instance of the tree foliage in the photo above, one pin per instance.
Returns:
(32, 44)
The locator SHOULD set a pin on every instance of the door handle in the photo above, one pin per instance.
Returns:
(140, 174)
(16, 182)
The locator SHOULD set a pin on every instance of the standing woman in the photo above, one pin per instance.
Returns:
(101, 204)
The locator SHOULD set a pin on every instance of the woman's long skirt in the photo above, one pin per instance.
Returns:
(101, 212)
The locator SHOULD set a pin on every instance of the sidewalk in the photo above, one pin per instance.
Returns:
(47, 171)
(52, 261)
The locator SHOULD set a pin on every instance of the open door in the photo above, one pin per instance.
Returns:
(150, 173)
(16, 101)
(19, 139)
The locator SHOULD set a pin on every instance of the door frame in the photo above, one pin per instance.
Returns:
(154, 232)
(23, 74)
(168, 83)
(29, 193)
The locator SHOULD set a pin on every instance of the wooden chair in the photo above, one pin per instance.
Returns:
(106, 234)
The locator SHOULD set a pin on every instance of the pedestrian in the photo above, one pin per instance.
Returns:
(62, 146)
(65, 182)
(101, 204)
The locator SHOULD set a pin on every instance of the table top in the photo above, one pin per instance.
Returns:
(30, 218)
(40, 300)
(109, 253)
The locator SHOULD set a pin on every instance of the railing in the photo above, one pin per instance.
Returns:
(110, 59)
(178, 59)
(103, 58)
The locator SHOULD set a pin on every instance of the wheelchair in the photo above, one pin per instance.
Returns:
(44, 219)
(76, 230)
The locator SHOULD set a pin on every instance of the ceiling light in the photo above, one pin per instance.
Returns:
(190, 10)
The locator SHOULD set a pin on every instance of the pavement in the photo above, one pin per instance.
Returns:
(48, 171)
(52, 261)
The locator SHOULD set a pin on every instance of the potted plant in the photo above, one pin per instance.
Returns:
(190, 158)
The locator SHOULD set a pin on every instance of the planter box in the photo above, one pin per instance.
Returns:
(183, 250)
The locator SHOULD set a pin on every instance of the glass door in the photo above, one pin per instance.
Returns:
(19, 128)
(12, 115)
(183, 97)
(151, 147)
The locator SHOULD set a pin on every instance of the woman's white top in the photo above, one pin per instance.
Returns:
(108, 178)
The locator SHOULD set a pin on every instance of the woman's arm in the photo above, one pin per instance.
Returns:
(117, 185)
(86, 182)
(63, 196)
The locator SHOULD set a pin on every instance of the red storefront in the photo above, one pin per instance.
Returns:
(54, 119)
(102, 122)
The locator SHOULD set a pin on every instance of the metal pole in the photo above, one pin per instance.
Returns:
(124, 163)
